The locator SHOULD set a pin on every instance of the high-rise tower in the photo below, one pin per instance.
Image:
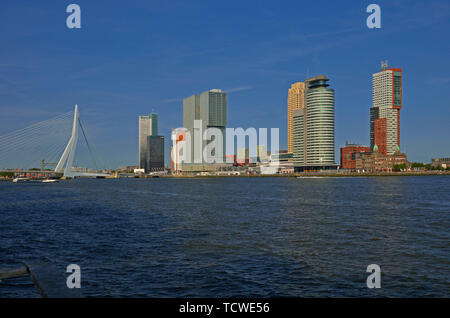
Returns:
(210, 108)
(296, 100)
(313, 127)
(385, 111)
(148, 126)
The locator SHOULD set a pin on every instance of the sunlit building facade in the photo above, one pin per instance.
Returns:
(296, 100)
(385, 111)
(348, 155)
(313, 127)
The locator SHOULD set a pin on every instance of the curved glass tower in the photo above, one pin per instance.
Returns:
(320, 123)
(314, 127)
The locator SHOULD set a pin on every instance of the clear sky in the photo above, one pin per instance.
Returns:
(130, 57)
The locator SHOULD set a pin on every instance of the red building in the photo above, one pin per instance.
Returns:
(381, 135)
(385, 111)
(231, 158)
(348, 160)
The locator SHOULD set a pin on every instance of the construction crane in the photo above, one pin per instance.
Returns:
(45, 164)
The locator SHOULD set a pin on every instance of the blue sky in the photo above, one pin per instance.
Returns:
(130, 57)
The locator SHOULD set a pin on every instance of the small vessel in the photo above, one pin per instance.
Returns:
(25, 179)
(49, 180)
(310, 177)
(21, 179)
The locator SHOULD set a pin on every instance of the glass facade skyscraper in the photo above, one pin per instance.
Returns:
(155, 154)
(313, 127)
(148, 127)
(211, 108)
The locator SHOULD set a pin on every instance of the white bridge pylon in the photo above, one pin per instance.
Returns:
(69, 151)
(65, 163)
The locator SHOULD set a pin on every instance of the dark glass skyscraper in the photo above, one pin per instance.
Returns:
(151, 146)
(155, 154)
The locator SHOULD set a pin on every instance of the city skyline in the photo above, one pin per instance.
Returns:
(216, 158)
(131, 71)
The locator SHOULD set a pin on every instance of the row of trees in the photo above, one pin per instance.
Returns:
(6, 174)
(427, 166)
(420, 165)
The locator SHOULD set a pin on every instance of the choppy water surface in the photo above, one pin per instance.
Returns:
(221, 237)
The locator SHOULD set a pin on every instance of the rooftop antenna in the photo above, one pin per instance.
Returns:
(384, 65)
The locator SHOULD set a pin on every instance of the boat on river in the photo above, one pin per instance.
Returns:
(25, 179)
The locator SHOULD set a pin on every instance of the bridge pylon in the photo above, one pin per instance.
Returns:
(66, 161)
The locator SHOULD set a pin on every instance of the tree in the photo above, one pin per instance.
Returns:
(417, 165)
(399, 167)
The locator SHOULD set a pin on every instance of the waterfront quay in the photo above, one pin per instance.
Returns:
(32, 174)
(309, 174)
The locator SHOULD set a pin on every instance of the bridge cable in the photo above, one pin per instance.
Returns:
(102, 161)
(88, 145)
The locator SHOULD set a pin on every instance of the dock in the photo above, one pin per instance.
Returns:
(47, 279)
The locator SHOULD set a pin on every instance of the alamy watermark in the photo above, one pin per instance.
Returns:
(374, 279)
(374, 19)
(207, 145)
(74, 19)
(74, 279)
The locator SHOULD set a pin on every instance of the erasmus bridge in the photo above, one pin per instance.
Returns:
(52, 142)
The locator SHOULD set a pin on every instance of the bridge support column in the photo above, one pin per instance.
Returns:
(69, 151)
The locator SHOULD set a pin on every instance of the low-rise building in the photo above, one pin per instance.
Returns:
(348, 155)
(284, 160)
(231, 159)
(281, 162)
(378, 162)
(128, 169)
(440, 162)
(243, 156)
(206, 168)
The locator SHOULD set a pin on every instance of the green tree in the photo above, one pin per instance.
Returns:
(417, 165)
(399, 167)
(6, 174)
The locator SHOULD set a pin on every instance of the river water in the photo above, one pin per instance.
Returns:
(226, 237)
